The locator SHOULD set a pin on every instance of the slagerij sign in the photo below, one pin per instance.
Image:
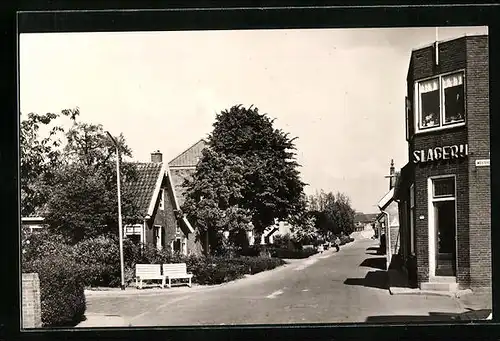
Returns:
(440, 153)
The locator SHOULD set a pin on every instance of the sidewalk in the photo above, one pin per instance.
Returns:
(476, 305)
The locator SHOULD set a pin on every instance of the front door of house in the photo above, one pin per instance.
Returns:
(444, 214)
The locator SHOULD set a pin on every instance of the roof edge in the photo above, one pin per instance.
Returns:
(156, 191)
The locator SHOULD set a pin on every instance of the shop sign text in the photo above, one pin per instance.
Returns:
(440, 153)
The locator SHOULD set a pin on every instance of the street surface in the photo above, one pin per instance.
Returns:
(348, 286)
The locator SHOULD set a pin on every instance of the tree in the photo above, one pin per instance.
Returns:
(272, 188)
(306, 233)
(83, 195)
(75, 180)
(333, 212)
(213, 196)
(39, 156)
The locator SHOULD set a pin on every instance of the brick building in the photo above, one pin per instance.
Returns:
(162, 222)
(444, 191)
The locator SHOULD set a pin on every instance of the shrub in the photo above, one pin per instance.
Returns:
(293, 254)
(212, 271)
(257, 264)
(61, 284)
(99, 259)
(284, 242)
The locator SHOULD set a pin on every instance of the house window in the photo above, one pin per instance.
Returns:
(162, 199)
(134, 233)
(158, 237)
(412, 219)
(176, 245)
(440, 101)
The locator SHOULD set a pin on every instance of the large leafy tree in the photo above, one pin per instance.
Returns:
(213, 197)
(270, 186)
(333, 212)
(40, 155)
(73, 180)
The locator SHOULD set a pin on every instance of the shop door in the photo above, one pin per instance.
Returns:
(444, 214)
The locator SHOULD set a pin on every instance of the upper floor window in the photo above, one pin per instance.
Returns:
(440, 102)
(161, 205)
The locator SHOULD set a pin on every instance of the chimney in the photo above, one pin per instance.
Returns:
(392, 176)
(156, 157)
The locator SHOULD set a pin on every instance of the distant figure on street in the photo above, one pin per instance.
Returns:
(336, 243)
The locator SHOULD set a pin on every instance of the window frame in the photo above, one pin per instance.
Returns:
(417, 116)
(161, 204)
(445, 196)
(412, 219)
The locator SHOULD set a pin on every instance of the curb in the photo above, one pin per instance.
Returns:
(419, 292)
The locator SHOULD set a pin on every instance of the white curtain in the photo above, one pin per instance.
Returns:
(453, 80)
(428, 86)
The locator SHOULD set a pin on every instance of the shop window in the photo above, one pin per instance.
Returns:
(441, 102)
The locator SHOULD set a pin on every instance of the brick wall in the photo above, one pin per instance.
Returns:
(473, 183)
(423, 171)
(166, 218)
(31, 306)
(477, 103)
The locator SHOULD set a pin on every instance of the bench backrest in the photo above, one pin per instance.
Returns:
(175, 269)
(147, 269)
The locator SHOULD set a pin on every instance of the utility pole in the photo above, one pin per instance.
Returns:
(120, 232)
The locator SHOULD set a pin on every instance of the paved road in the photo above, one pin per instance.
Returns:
(349, 286)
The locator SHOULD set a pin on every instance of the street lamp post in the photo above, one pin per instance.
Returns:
(120, 230)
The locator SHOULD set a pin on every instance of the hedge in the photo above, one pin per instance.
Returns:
(61, 284)
(292, 254)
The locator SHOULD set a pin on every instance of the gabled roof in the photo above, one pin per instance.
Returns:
(146, 188)
(143, 189)
(386, 200)
(189, 157)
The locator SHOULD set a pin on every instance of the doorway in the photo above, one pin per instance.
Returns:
(442, 229)
(445, 238)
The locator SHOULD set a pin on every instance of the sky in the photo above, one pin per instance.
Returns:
(341, 92)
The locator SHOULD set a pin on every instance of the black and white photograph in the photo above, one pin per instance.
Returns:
(254, 177)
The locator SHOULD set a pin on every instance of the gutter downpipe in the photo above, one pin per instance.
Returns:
(387, 240)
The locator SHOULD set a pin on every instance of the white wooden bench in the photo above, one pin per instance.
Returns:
(176, 271)
(148, 272)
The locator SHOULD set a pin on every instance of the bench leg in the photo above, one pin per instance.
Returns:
(163, 283)
(169, 282)
(140, 284)
(136, 283)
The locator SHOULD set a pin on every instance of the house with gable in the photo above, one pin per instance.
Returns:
(162, 223)
(389, 218)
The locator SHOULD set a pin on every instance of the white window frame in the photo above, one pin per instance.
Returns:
(134, 227)
(417, 107)
(158, 244)
(181, 243)
(431, 222)
(161, 205)
(412, 219)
